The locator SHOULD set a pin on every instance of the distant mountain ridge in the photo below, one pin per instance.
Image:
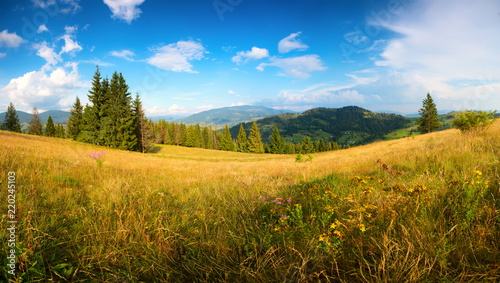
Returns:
(58, 116)
(351, 124)
(232, 115)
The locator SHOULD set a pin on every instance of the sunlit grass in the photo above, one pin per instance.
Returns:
(387, 211)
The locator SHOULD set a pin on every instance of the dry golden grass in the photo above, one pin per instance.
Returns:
(184, 214)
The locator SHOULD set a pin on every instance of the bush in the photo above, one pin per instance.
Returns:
(472, 120)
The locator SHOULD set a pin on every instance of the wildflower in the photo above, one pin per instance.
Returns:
(279, 202)
(283, 216)
(479, 173)
(288, 200)
(254, 195)
(264, 199)
(362, 227)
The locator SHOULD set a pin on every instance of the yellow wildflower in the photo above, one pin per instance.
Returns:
(362, 227)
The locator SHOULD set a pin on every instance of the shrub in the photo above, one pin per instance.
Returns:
(472, 120)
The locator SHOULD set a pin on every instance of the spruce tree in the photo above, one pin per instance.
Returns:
(35, 123)
(241, 140)
(254, 141)
(190, 141)
(277, 145)
(50, 129)
(11, 121)
(207, 138)
(75, 120)
(93, 124)
(144, 132)
(87, 133)
(197, 135)
(227, 140)
(307, 145)
(428, 121)
(62, 133)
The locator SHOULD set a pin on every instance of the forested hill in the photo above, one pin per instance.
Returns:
(349, 124)
(233, 115)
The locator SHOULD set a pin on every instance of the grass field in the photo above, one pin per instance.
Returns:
(420, 209)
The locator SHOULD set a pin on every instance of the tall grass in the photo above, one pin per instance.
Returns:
(421, 209)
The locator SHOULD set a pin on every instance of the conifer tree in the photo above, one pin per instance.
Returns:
(75, 120)
(207, 138)
(35, 123)
(87, 133)
(62, 133)
(50, 130)
(144, 131)
(307, 145)
(197, 135)
(254, 141)
(241, 140)
(11, 121)
(93, 123)
(428, 121)
(182, 134)
(190, 141)
(227, 140)
(277, 145)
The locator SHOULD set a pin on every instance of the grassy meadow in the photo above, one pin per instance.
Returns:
(418, 209)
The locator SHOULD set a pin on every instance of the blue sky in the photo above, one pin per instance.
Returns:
(184, 57)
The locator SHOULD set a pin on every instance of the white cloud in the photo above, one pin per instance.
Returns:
(125, 54)
(126, 10)
(321, 97)
(254, 54)
(44, 89)
(238, 104)
(444, 42)
(2, 55)
(47, 53)
(176, 56)
(42, 28)
(296, 67)
(10, 40)
(63, 6)
(230, 92)
(176, 110)
(290, 43)
(70, 45)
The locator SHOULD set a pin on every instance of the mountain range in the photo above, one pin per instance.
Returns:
(58, 116)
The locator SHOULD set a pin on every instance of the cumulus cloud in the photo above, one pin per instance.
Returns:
(47, 53)
(71, 46)
(125, 54)
(296, 67)
(177, 56)
(439, 53)
(254, 54)
(290, 43)
(176, 110)
(126, 10)
(10, 40)
(2, 55)
(45, 88)
(230, 92)
(63, 6)
(42, 28)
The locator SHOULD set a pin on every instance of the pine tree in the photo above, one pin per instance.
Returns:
(11, 121)
(428, 121)
(277, 145)
(75, 120)
(182, 134)
(254, 141)
(190, 141)
(307, 145)
(144, 132)
(241, 140)
(50, 129)
(227, 140)
(197, 135)
(35, 124)
(93, 123)
(62, 133)
(87, 133)
(207, 138)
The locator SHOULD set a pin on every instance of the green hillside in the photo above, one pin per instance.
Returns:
(351, 124)
(231, 115)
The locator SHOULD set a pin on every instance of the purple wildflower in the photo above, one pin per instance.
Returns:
(288, 200)
(264, 199)
(279, 202)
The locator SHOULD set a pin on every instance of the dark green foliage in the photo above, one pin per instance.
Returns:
(472, 120)
(59, 128)
(88, 133)
(50, 130)
(331, 124)
(428, 121)
(277, 144)
(143, 129)
(190, 141)
(241, 141)
(35, 124)
(93, 119)
(75, 121)
(307, 145)
(11, 121)
(255, 144)
(207, 138)
(226, 141)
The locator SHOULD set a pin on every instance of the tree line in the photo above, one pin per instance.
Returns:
(180, 134)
